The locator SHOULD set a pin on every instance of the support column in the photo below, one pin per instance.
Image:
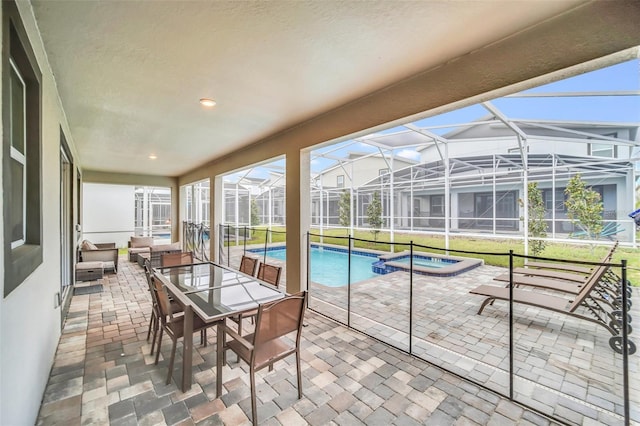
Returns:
(447, 198)
(392, 216)
(216, 213)
(298, 203)
(176, 223)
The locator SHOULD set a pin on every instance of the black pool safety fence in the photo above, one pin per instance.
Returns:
(552, 335)
(259, 239)
(196, 239)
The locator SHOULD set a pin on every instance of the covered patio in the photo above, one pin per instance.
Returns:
(103, 373)
(175, 93)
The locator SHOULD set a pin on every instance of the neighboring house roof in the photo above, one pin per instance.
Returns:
(355, 156)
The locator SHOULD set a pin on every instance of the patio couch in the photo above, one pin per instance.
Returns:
(139, 245)
(107, 253)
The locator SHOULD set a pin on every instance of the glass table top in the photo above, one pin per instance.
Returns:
(217, 291)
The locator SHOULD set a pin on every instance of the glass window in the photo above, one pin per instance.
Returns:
(340, 181)
(17, 111)
(602, 150)
(383, 172)
(18, 158)
(437, 205)
(561, 197)
(17, 219)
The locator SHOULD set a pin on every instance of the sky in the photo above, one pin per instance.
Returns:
(624, 76)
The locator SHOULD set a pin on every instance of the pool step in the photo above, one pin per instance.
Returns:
(380, 267)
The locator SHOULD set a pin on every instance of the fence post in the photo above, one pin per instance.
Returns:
(266, 237)
(625, 344)
(410, 297)
(349, 285)
(511, 324)
(308, 266)
(244, 241)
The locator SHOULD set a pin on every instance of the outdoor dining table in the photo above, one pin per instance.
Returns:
(212, 292)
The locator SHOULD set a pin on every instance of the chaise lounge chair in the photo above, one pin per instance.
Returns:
(591, 307)
(568, 267)
(607, 288)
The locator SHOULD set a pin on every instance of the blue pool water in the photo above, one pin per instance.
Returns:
(429, 262)
(329, 266)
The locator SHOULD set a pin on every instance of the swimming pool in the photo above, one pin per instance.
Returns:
(329, 265)
(426, 264)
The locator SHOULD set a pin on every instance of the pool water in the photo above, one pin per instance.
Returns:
(329, 267)
(427, 262)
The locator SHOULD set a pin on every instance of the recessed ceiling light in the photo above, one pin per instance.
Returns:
(153, 157)
(206, 102)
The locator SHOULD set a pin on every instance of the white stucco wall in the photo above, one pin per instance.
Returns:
(108, 213)
(29, 318)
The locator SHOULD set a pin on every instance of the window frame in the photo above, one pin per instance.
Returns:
(340, 181)
(436, 200)
(20, 260)
(18, 156)
(560, 199)
(596, 148)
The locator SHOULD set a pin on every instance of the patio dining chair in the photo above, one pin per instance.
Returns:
(269, 274)
(248, 265)
(173, 324)
(269, 343)
(154, 321)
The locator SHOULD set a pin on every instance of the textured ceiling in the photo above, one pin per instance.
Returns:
(130, 74)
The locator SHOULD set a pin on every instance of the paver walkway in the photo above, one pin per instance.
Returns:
(103, 374)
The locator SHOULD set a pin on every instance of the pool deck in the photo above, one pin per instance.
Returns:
(563, 366)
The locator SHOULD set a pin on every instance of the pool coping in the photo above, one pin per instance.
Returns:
(463, 264)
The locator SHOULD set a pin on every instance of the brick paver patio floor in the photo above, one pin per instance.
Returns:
(563, 366)
(103, 374)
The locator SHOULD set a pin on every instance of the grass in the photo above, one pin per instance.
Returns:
(482, 248)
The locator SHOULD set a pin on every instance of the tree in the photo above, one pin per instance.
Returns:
(374, 215)
(584, 207)
(255, 214)
(537, 226)
(345, 208)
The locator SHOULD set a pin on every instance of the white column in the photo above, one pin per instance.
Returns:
(411, 206)
(237, 221)
(391, 203)
(298, 201)
(493, 191)
(525, 193)
(216, 213)
(447, 198)
(351, 203)
(145, 212)
(553, 196)
(321, 211)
